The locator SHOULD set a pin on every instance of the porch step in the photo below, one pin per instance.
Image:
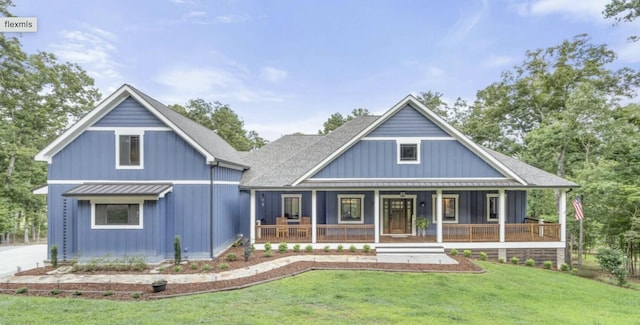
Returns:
(405, 249)
(412, 253)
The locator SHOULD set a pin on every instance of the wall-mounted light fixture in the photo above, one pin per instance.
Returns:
(422, 204)
(402, 194)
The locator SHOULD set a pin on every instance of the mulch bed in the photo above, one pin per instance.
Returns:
(118, 291)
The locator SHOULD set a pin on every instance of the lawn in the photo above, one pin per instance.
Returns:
(505, 294)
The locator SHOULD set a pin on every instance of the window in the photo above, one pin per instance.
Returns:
(449, 208)
(291, 206)
(351, 208)
(492, 207)
(129, 150)
(408, 151)
(117, 215)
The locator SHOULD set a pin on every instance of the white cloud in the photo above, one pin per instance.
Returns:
(197, 14)
(571, 9)
(499, 61)
(93, 49)
(629, 52)
(228, 19)
(466, 23)
(272, 74)
(274, 130)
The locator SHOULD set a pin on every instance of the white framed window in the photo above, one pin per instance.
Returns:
(351, 208)
(408, 151)
(129, 149)
(117, 214)
(492, 207)
(291, 207)
(449, 208)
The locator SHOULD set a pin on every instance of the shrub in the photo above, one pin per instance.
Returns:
(162, 269)
(612, 260)
(177, 269)
(453, 252)
(77, 293)
(501, 260)
(309, 248)
(268, 253)
(267, 246)
(231, 257)
(296, 248)
(223, 266)
(253, 247)
(21, 290)
(55, 292)
(283, 247)
(206, 268)
(340, 248)
(366, 248)
(466, 253)
(483, 256)
(515, 260)
(547, 265)
(54, 255)
(177, 250)
(326, 249)
(564, 267)
(135, 295)
(352, 248)
(530, 262)
(193, 266)
(107, 293)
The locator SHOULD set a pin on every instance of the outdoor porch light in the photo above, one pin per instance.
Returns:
(402, 194)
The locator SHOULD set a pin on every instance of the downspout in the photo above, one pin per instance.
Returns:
(211, 175)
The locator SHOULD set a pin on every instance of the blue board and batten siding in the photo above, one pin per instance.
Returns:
(129, 113)
(408, 122)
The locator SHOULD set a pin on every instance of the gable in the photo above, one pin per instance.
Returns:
(129, 113)
(408, 122)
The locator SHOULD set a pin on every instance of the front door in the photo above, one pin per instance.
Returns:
(397, 216)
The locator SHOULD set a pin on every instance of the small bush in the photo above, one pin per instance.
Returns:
(177, 250)
(501, 260)
(54, 255)
(515, 260)
(162, 269)
(547, 265)
(340, 248)
(564, 267)
(268, 253)
(223, 266)
(296, 248)
(530, 262)
(352, 248)
(55, 292)
(366, 248)
(283, 247)
(253, 248)
(466, 253)
(483, 256)
(177, 269)
(231, 257)
(135, 295)
(308, 248)
(21, 290)
(206, 268)
(326, 249)
(77, 293)
(267, 246)
(613, 260)
(107, 293)
(193, 266)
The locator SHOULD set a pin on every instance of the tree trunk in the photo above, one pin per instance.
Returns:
(26, 229)
(10, 168)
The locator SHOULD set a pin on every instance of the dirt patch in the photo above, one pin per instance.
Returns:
(118, 291)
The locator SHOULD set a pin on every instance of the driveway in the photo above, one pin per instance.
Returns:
(24, 256)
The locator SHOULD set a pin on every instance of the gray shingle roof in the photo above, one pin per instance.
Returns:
(532, 175)
(102, 189)
(206, 138)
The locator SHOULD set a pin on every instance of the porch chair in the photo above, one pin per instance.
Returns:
(282, 227)
(305, 227)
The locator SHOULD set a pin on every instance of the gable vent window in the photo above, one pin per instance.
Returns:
(409, 152)
(129, 151)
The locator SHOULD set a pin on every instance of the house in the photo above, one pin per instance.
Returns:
(132, 174)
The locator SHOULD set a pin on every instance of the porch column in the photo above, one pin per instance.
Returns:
(252, 219)
(314, 216)
(376, 216)
(439, 216)
(502, 212)
(562, 215)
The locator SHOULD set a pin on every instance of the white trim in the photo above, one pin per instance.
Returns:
(376, 216)
(502, 214)
(445, 196)
(438, 216)
(283, 197)
(130, 132)
(488, 207)
(174, 182)
(43, 190)
(351, 196)
(103, 200)
(409, 99)
(165, 192)
(408, 141)
(128, 128)
(416, 138)
(562, 215)
(314, 216)
(446, 245)
(398, 196)
(412, 179)
(252, 216)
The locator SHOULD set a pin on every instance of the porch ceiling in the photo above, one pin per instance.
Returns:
(493, 183)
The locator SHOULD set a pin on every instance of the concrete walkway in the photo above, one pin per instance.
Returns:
(187, 278)
(25, 256)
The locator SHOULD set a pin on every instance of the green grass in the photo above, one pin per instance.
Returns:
(506, 294)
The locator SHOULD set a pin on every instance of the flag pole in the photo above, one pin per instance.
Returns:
(580, 241)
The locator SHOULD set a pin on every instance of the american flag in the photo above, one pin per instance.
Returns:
(577, 205)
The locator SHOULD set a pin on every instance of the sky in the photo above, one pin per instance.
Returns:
(286, 66)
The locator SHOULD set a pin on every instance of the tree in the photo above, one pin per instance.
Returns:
(454, 115)
(623, 11)
(336, 120)
(223, 121)
(39, 99)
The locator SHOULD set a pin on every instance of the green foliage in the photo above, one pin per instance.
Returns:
(453, 252)
(177, 269)
(267, 246)
(107, 293)
(366, 248)
(352, 248)
(296, 248)
(613, 260)
(326, 249)
(206, 268)
(268, 253)
(193, 266)
(21, 290)
(515, 261)
(253, 248)
(547, 265)
(136, 295)
(340, 248)
(336, 120)
(77, 293)
(466, 253)
(483, 256)
(54, 255)
(55, 292)
(500, 260)
(530, 262)
(308, 248)
(564, 267)
(623, 11)
(231, 257)
(108, 263)
(177, 250)
(223, 266)
(283, 247)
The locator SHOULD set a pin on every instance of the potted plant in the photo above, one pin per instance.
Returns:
(159, 285)
(422, 223)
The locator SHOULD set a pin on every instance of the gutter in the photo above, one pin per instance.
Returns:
(211, 176)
